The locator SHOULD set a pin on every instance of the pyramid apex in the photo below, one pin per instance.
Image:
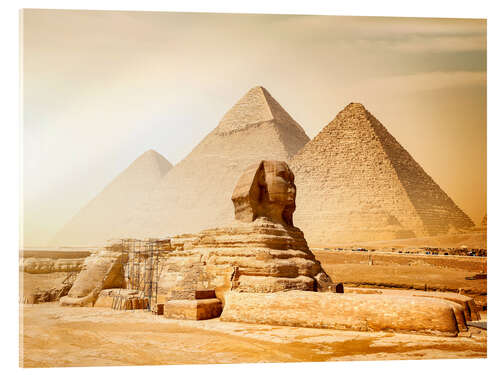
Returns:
(252, 109)
(355, 106)
(149, 154)
(152, 156)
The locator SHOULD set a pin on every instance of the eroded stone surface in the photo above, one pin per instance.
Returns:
(194, 309)
(260, 256)
(346, 312)
(102, 270)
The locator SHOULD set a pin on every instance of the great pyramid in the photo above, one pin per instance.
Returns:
(103, 215)
(355, 182)
(196, 193)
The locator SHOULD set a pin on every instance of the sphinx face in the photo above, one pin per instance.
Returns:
(265, 189)
(280, 184)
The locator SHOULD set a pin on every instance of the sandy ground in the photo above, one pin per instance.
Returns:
(54, 336)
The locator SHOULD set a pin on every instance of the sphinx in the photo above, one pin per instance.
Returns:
(260, 251)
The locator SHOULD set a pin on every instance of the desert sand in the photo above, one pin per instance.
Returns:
(55, 336)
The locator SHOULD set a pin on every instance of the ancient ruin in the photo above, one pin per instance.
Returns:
(358, 183)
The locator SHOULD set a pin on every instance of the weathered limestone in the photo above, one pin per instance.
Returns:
(121, 299)
(357, 183)
(193, 305)
(195, 309)
(260, 252)
(471, 311)
(101, 270)
(346, 312)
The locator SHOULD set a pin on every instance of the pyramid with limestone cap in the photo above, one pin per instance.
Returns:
(196, 193)
(355, 182)
(102, 216)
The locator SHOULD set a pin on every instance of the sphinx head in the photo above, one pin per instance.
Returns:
(265, 189)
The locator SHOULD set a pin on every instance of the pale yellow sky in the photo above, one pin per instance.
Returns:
(100, 88)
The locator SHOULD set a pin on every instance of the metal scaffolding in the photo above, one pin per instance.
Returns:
(141, 270)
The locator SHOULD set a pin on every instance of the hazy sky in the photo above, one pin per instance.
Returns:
(100, 88)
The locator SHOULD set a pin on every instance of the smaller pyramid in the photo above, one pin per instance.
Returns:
(100, 218)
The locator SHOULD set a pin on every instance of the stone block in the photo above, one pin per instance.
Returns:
(193, 309)
(192, 294)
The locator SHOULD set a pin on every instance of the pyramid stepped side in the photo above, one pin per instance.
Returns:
(101, 218)
(196, 194)
(437, 210)
(347, 189)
